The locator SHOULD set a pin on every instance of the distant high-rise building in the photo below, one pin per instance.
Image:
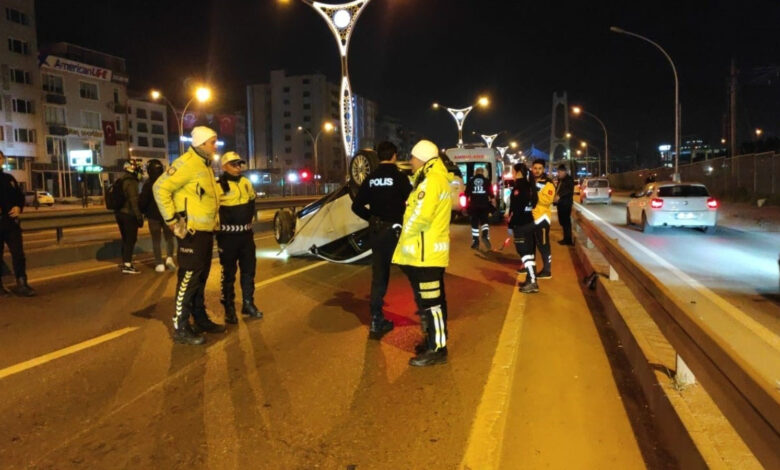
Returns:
(148, 129)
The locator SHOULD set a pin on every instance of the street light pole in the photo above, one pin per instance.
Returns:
(341, 19)
(327, 127)
(676, 176)
(460, 115)
(577, 110)
(202, 94)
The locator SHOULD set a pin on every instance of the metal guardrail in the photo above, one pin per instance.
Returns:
(745, 395)
(33, 222)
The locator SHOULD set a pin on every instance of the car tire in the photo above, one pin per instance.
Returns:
(284, 226)
(646, 227)
(360, 166)
(628, 217)
(50, 205)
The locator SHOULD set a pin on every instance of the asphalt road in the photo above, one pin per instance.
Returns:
(739, 266)
(303, 388)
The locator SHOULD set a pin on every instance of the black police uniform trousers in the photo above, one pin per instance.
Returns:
(383, 241)
(11, 235)
(564, 218)
(428, 286)
(128, 229)
(237, 251)
(542, 235)
(195, 252)
(479, 223)
(524, 244)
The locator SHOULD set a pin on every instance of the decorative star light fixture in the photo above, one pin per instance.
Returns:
(341, 19)
(460, 117)
(489, 140)
(502, 151)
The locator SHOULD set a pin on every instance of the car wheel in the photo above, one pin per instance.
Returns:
(284, 226)
(708, 229)
(646, 227)
(363, 163)
(628, 217)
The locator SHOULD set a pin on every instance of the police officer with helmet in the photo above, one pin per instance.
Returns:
(235, 238)
(384, 191)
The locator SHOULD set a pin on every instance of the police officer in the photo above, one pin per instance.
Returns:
(542, 217)
(188, 201)
(235, 238)
(479, 193)
(384, 191)
(564, 195)
(423, 250)
(521, 205)
(11, 206)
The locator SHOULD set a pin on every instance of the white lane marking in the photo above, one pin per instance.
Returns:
(486, 438)
(35, 362)
(757, 328)
(290, 274)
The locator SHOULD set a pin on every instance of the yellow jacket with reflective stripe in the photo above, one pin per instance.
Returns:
(236, 203)
(189, 186)
(546, 192)
(425, 236)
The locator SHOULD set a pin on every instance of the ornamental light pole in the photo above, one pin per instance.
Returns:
(341, 19)
(202, 94)
(676, 176)
(460, 114)
(328, 128)
(489, 139)
(577, 110)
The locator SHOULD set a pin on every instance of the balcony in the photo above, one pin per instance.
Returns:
(57, 129)
(55, 98)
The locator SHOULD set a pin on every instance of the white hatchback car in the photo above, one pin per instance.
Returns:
(595, 190)
(669, 204)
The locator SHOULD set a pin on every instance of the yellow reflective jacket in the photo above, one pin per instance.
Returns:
(425, 235)
(546, 192)
(236, 203)
(189, 189)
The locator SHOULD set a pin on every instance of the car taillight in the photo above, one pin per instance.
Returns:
(495, 188)
(657, 203)
(462, 200)
(610, 191)
(712, 203)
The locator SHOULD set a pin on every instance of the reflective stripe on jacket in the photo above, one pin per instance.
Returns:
(236, 204)
(189, 186)
(425, 236)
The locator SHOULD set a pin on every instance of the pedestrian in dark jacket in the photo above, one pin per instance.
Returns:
(521, 220)
(129, 216)
(157, 226)
(564, 196)
(11, 206)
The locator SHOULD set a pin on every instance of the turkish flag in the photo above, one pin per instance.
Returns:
(189, 120)
(227, 125)
(109, 133)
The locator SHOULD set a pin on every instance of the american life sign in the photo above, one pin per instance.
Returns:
(71, 66)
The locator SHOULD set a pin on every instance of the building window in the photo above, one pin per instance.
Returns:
(286, 102)
(52, 83)
(88, 90)
(287, 125)
(90, 119)
(306, 106)
(158, 143)
(2, 133)
(306, 81)
(20, 47)
(16, 16)
(23, 106)
(306, 94)
(24, 135)
(308, 143)
(118, 124)
(157, 129)
(287, 138)
(20, 76)
(286, 89)
(143, 141)
(142, 127)
(307, 156)
(288, 150)
(307, 119)
(55, 115)
(14, 163)
(157, 116)
(287, 114)
(55, 146)
(140, 113)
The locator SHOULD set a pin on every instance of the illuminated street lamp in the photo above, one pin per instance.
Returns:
(676, 176)
(502, 151)
(489, 139)
(202, 94)
(577, 110)
(341, 19)
(514, 145)
(328, 127)
(759, 133)
(460, 115)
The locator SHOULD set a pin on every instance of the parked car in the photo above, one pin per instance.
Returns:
(596, 190)
(44, 198)
(669, 204)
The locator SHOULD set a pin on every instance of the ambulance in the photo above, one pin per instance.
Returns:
(471, 157)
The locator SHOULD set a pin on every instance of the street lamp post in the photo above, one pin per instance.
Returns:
(341, 19)
(460, 115)
(489, 139)
(577, 110)
(327, 127)
(202, 94)
(676, 176)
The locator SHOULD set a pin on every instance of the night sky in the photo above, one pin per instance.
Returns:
(405, 54)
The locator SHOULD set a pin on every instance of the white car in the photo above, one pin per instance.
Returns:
(595, 190)
(669, 204)
(44, 198)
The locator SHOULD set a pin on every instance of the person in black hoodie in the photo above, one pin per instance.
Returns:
(235, 238)
(157, 226)
(564, 196)
(11, 206)
(129, 216)
(521, 221)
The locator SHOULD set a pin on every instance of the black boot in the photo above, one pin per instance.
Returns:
(206, 326)
(22, 289)
(230, 313)
(183, 335)
(248, 308)
(475, 244)
(379, 328)
(429, 358)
